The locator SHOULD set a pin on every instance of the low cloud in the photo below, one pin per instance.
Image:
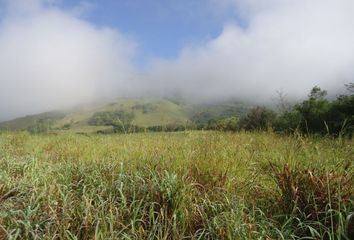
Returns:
(51, 58)
(283, 45)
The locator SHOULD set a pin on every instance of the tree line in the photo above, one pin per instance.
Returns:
(315, 115)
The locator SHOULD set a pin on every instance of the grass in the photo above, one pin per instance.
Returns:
(148, 112)
(187, 185)
(163, 112)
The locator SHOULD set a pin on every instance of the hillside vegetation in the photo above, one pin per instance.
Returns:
(143, 112)
(317, 115)
(187, 185)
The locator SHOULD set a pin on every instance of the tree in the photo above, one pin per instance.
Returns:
(313, 111)
(282, 102)
(259, 118)
(317, 115)
(340, 116)
(226, 124)
(42, 125)
(350, 87)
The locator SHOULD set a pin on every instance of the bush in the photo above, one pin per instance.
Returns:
(145, 108)
(340, 116)
(41, 126)
(313, 111)
(315, 201)
(287, 122)
(259, 118)
(227, 124)
(317, 115)
(127, 128)
(111, 118)
(67, 126)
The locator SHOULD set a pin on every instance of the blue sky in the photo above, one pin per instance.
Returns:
(160, 27)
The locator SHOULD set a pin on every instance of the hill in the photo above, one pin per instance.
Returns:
(28, 121)
(142, 112)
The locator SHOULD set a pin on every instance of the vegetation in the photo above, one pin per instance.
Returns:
(318, 115)
(86, 118)
(145, 108)
(315, 115)
(39, 121)
(206, 114)
(41, 126)
(226, 124)
(259, 118)
(187, 185)
(137, 114)
(111, 118)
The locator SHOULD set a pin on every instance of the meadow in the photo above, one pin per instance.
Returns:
(185, 185)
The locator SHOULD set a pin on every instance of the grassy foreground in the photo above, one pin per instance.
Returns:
(188, 185)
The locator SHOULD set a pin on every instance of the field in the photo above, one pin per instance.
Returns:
(187, 185)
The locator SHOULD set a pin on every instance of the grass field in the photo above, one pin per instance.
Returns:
(187, 185)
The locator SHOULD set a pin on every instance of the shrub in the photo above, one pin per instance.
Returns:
(259, 118)
(317, 115)
(288, 121)
(316, 201)
(227, 124)
(67, 126)
(41, 126)
(111, 118)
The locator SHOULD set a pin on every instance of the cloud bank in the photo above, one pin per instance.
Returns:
(51, 58)
(290, 45)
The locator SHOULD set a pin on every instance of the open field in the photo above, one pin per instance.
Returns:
(187, 185)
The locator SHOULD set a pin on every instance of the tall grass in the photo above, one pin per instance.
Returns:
(188, 185)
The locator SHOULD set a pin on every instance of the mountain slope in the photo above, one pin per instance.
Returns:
(143, 112)
(28, 121)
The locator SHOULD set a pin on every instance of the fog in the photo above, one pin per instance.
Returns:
(52, 58)
(285, 45)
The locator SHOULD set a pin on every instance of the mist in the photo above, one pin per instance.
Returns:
(285, 45)
(51, 58)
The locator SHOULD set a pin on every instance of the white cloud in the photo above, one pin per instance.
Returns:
(53, 59)
(288, 44)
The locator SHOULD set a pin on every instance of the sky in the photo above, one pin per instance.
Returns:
(59, 53)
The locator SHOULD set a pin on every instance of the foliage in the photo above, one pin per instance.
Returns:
(32, 122)
(317, 115)
(171, 128)
(67, 126)
(145, 108)
(202, 118)
(205, 113)
(41, 126)
(111, 118)
(259, 118)
(312, 195)
(187, 185)
(288, 122)
(226, 124)
(340, 116)
(313, 111)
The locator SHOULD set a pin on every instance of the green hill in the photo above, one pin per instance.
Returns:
(28, 121)
(142, 112)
